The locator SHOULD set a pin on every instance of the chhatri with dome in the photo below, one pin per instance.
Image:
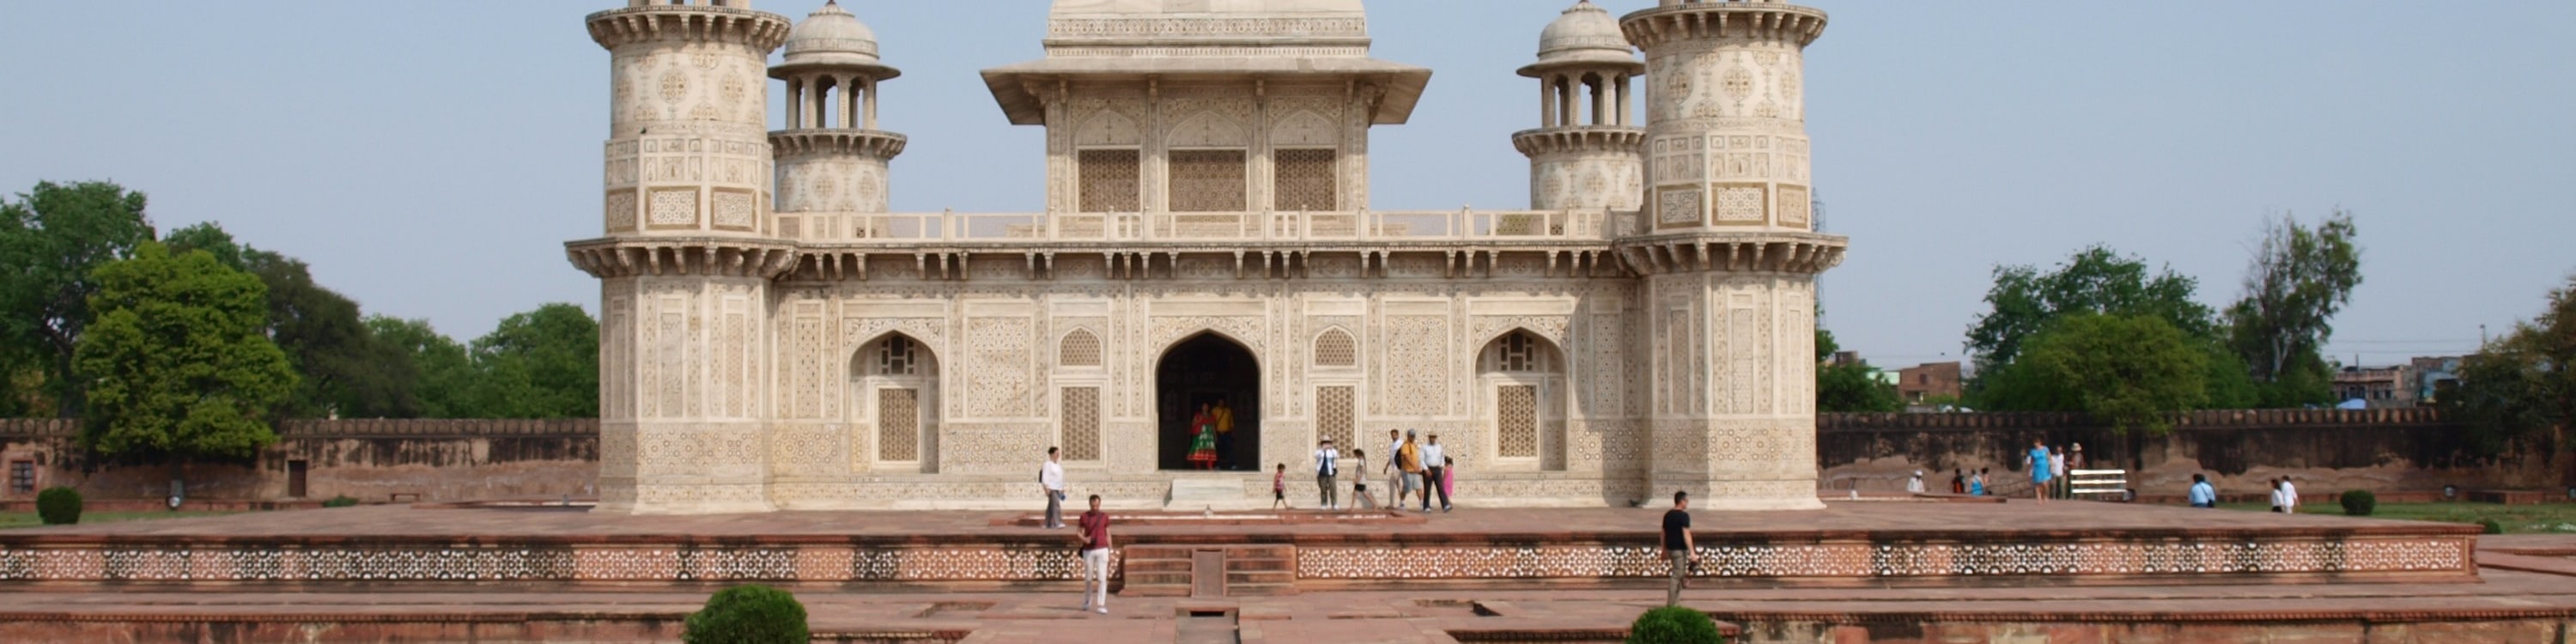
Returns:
(774, 338)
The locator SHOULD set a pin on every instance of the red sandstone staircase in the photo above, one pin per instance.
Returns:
(1209, 570)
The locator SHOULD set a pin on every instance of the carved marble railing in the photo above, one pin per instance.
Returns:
(1357, 225)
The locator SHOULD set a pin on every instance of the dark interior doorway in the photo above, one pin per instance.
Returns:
(295, 478)
(1209, 370)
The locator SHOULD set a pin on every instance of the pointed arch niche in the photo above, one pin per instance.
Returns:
(894, 392)
(1521, 378)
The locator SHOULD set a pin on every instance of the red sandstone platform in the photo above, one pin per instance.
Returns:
(1850, 544)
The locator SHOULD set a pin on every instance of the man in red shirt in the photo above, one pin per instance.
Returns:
(1095, 558)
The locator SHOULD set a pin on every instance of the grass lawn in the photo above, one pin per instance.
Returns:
(2517, 519)
(29, 519)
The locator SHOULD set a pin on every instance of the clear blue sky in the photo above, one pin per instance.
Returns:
(429, 158)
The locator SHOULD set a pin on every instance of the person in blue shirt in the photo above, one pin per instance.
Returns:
(2037, 461)
(2202, 495)
(1977, 483)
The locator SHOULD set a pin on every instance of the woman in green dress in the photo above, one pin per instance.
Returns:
(1203, 444)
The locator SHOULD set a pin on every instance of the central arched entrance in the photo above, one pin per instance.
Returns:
(1210, 371)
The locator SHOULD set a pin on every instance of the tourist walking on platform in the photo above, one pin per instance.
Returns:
(1435, 465)
(2057, 473)
(1279, 488)
(1977, 482)
(2037, 461)
(1327, 465)
(1051, 477)
(2278, 505)
(1359, 484)
(2289, 496)
(1095, 558)
(1958, 481)
(1678, 545)
(1915, 485)
(2202, 495)
(1408, 457)
(1395, 474)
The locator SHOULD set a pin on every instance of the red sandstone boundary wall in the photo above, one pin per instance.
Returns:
(2328, 451)
(2325, 451)
(371, 460)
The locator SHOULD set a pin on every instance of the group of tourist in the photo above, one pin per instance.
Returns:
(2048, 468)
(1416, 470)
(1212, 435)
(2285, 494)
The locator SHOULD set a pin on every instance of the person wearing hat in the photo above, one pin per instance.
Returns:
(1327, 465)
(1915, 485)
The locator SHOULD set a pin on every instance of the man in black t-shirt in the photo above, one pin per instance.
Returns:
(1677, 545)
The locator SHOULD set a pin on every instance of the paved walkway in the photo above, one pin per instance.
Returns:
(1362, 617)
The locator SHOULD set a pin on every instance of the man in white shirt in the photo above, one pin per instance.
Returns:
(2057, 468)
(1051, 477)
(2289, 496)
(1327, 465)
(1915, 485)
(1437, 464)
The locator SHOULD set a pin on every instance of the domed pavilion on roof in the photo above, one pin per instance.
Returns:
(775, 338)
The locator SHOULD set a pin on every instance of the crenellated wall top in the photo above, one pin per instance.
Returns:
(2211, 419)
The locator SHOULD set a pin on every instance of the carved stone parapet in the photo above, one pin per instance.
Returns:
(878, 144)
(1590, 138)
(1711, 20)
(1733, 253)
(607, 258)
(761, 31)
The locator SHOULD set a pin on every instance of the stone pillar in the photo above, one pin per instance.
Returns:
(1725, 244)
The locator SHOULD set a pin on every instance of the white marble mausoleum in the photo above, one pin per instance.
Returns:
(773, 338)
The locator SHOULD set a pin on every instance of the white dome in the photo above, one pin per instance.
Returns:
(831, 36)
(1586, 33)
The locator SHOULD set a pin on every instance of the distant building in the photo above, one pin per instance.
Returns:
(1928, 380)
(2378, 387)
(2430, 373)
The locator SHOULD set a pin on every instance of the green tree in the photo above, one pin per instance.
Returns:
(2127, 371)
(178, 361)
(445, 387)
(539, 364)
(2093, 280)
(2521, 386)
(2299, 277)
(52, 241)
(345, 369)
(1849, 387)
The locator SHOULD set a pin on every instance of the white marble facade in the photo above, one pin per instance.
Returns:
(774, 339)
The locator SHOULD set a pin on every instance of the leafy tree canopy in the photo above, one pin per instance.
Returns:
(2128, 371)
(539, 364)
(445, 387)
(178, 361)
(346, 370)
(2521, 386)
(2094, 280)
(52, 241)
(2299, 278)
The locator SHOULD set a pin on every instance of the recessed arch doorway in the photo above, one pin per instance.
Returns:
(1208, 377)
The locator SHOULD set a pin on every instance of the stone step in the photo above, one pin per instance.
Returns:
(1196, 493)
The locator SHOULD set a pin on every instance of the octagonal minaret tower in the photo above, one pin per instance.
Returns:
(1587, 152)
(685, 264)
(831, 156)
(1728, 252)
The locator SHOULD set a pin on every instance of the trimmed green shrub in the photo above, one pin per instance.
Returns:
(751, 614)
(58, 506)
(2493, 526)
(2359, 503)
(1674, 625)
(340, 501)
